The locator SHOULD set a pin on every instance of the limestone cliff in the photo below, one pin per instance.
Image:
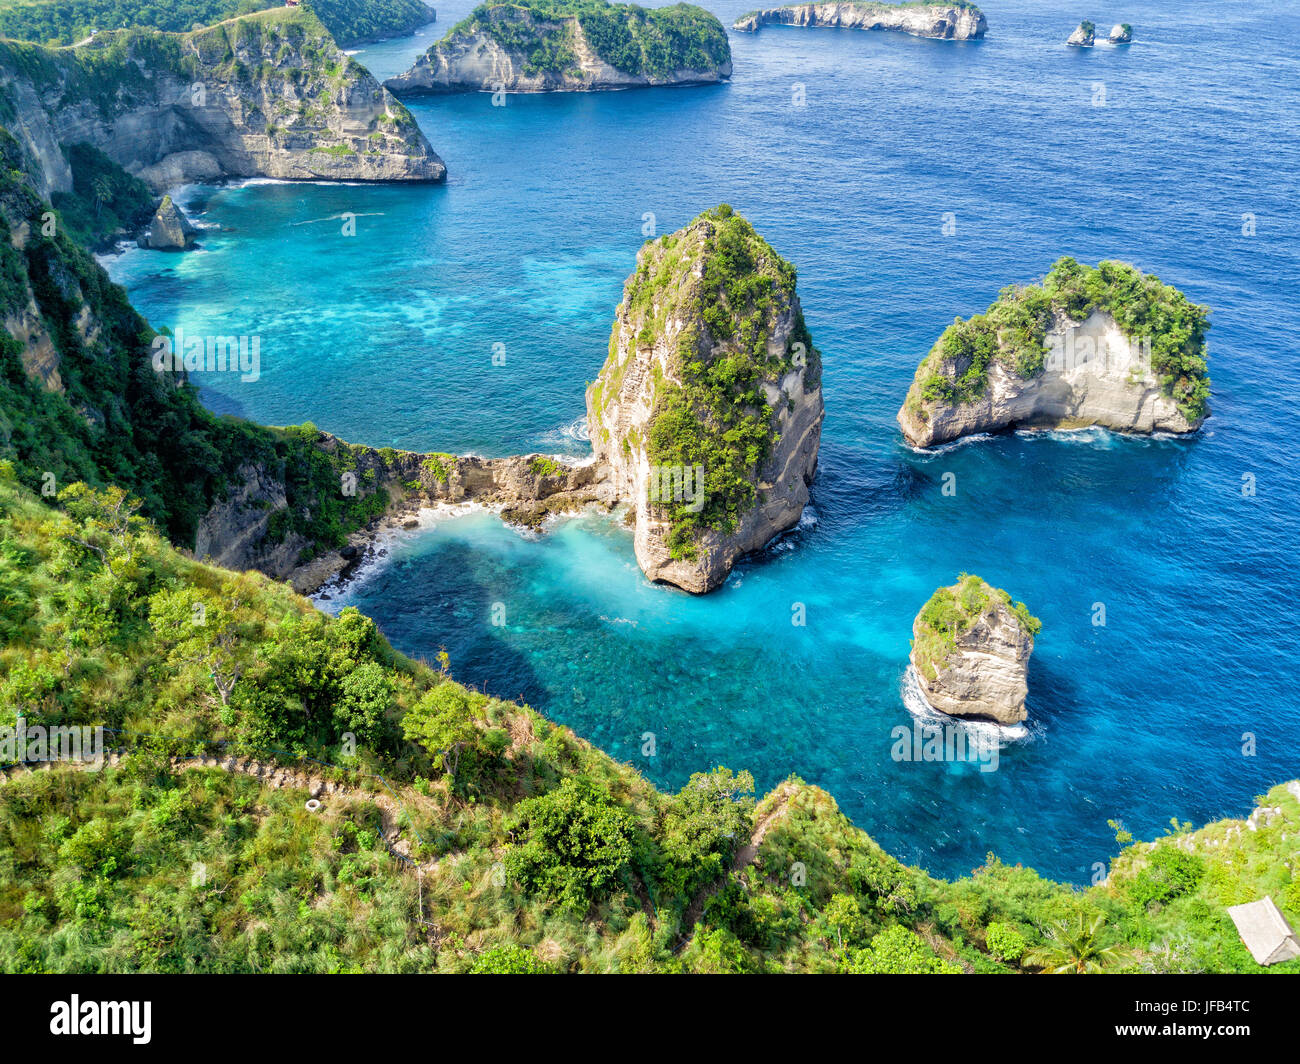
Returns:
(268, 95)
(708, 411)
(1109, 346)
(970, 650)
(553, 46)
(956, 21)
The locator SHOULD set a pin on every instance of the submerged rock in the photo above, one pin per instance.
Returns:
(169, 229)
(1121, 33)
(529, 46)
(959, 21)
(970, 650)
(707, 414)
(1084, 36)
(1108, 346)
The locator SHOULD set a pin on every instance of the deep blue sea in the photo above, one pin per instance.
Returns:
(387, 337)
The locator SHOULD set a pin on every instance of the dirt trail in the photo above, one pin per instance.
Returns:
(743, 859)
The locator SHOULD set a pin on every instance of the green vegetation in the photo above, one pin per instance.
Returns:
(62, 22)
(1013, 333)
(105, 203)
(537, 852)
(952, 611)
(439, 466)
(541, 466)
(655, 42)
(718, 417)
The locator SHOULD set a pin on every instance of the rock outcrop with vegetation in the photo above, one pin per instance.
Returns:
(169, 229)
(1108, 346)
(267, 95)
(1084, 35)
(349, 22)
(970, 649)
(959, 21)
(572, 46)
(708, 410)
(1121, 33)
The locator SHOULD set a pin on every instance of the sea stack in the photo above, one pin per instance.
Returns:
(169, 230)
(707, 414)
(1084, 36)
(959, 21)
(1108, 346)
(1121, 33)
(970, 650)
(566, 46)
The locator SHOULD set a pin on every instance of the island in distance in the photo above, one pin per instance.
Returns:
(563, 46)
(958, 21)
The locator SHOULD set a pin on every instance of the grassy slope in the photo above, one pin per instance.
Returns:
(99, 869)
(63, 22)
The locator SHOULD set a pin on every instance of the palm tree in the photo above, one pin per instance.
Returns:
(1076, 949)
(101, 188)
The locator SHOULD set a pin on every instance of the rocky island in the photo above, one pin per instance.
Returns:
(1084, 35)
(1121, 33)
(970, 649)
(1107, 346)
(169, 230)
(564, 46)
(268, 95)
(959, 21)
(707, 414)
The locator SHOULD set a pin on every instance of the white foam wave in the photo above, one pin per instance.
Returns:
(985, 731)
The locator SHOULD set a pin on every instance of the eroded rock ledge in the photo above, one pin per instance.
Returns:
(556, 46)
(268, 95)
(954, 22)
(970, 649)
(708, 411)
(247, 528)
(1109, 346)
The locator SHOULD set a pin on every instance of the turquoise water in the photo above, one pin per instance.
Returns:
(386, 337)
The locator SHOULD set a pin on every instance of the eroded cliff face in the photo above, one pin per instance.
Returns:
(955, 22)
(507, 48)
(971, 653)
(708, 411)
(1093, 375)
(240, 530)
(265, 95)
(1108, 346)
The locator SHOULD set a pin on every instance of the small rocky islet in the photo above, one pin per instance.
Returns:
(970, 651)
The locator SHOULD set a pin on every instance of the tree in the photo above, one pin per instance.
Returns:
(1076, 949)
(898, 951)
(365, 696)
(101, 191)
(576, 844)
(202, 628)
(443, 722)
(703, 827)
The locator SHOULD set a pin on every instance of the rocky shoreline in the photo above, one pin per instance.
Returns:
(952, 22)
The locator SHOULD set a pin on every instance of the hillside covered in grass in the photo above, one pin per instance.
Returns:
(64, 22)
(458, 832)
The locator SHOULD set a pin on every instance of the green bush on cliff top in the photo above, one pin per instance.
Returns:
(1013, 332)
(953, 610)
